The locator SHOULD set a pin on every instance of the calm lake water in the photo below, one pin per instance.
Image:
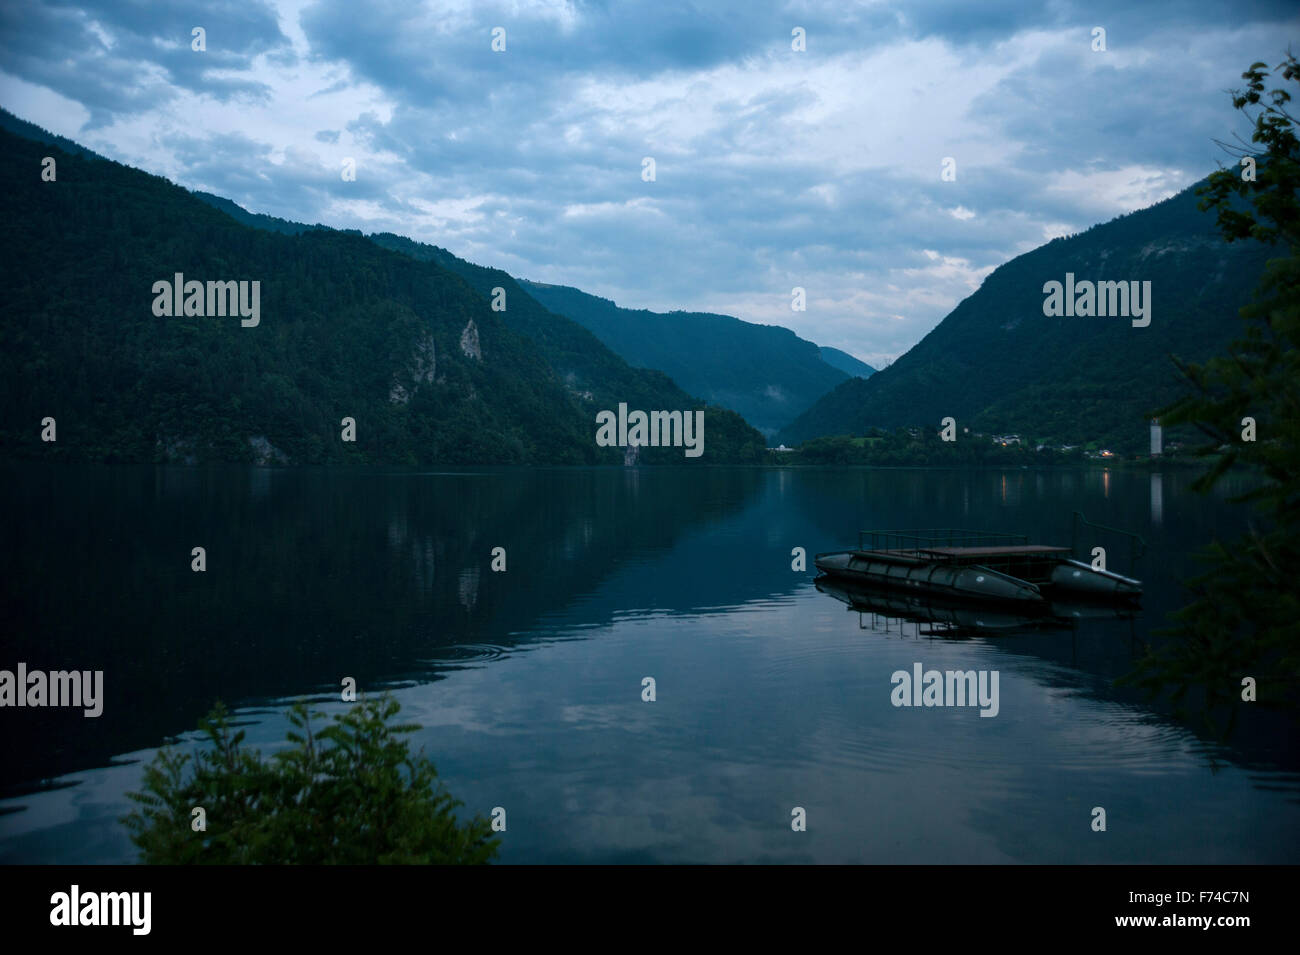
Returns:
(770, 694)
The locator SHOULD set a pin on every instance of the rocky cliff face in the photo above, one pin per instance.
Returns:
(421, 371)
(469, 345)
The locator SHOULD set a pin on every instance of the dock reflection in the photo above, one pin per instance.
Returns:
(915, 614)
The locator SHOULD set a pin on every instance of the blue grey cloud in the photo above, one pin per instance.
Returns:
(125, 57)
(774, 168)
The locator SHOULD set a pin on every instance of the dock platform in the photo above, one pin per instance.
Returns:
(972, 565)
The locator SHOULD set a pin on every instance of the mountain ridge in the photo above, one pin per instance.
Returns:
(846, 363)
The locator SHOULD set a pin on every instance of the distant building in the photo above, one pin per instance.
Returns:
(1156, 437)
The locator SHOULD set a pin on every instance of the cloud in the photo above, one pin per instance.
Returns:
(774, 168)
(121, 58)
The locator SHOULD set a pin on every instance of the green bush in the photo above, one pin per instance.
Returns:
(352, 793)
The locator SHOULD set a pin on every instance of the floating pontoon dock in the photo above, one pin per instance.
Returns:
(972, 565)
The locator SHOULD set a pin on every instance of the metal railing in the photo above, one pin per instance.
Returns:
(921, 540)
(1137, 546)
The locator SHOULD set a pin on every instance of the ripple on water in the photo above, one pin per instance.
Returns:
(465, 656)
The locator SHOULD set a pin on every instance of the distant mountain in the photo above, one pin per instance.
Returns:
(407, 349)
(846, 362)
(998, 364)
(766, 373)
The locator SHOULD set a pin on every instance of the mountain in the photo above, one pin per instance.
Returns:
(766, 373)
(998, 364)
(596, 376)
(589, 370)
(346, 329)
(846, 362)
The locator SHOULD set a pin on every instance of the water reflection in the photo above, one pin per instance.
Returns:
(311, 576)
(527, 682)
(932, 615)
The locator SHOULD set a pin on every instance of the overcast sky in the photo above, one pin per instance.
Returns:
(774, 168)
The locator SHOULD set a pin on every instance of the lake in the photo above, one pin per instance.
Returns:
(769, 694)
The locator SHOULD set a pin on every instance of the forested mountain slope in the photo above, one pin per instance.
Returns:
(997, 363)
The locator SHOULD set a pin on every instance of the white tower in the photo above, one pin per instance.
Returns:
(1155, 437)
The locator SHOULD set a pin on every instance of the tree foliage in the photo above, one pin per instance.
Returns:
(1244, 618)
(351, 793)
